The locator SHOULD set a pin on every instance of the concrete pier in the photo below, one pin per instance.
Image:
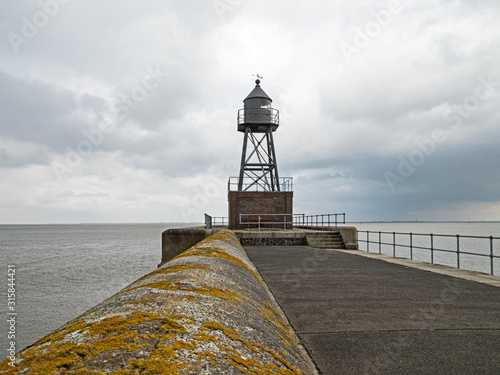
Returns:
(209, 311)
(359, 315)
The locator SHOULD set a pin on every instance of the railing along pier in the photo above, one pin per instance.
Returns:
(321, 220)
(407, 241)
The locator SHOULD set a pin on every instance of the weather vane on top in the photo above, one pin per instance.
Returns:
(258, 76)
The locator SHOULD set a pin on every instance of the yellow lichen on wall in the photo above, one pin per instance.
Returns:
(175, 320)
(172, 269)
(163, 359)
(211, 251)
(52, 352)
(269, 313)
(226, 294)
(250, 364)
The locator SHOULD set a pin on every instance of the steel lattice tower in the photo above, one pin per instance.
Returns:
(259, 168)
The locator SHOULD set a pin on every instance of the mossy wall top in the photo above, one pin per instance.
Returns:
(205, 312)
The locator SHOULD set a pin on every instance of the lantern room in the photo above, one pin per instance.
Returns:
(257, 114)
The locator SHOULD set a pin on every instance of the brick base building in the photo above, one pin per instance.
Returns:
(249, 208)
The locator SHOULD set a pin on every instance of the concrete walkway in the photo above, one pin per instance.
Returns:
(359, 315)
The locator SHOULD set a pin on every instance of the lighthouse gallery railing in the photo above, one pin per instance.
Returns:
(249, 184)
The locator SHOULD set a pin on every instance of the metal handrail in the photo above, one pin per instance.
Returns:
(432, 248)
(262, 220)
(273, 118)
(220, 220)
(215, 221)
(322, 220)
(285, 183)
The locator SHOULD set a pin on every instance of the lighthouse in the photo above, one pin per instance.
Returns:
(258, 121)
(258, 196)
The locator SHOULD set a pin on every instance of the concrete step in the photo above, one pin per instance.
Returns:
(333, 243)
(327, 246)
(325, 240)
(317, 239)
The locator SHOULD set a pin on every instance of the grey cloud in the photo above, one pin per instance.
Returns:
(37, 157)
(41, 114)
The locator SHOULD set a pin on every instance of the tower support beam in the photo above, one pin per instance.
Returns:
(243, 156)
(262, 158)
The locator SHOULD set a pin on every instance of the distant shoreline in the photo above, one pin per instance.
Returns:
(154, 223)
(426, 222)
(200, 223)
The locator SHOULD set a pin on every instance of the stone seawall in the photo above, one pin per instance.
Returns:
(207, 311)
(270, 241)
(271, 238)
(175, 241)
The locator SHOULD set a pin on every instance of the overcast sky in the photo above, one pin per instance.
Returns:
(125, 111)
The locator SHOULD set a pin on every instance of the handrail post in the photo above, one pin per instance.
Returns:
(432, 248)
(411, 245)
(379, 242)
(458, 251)
(491, 253)
(367, 241)
(394, 244)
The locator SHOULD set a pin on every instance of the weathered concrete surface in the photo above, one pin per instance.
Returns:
(350, 237)
(175, 241)
(205, 312)
(478, 277)
(358, 315)
(349, 234)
